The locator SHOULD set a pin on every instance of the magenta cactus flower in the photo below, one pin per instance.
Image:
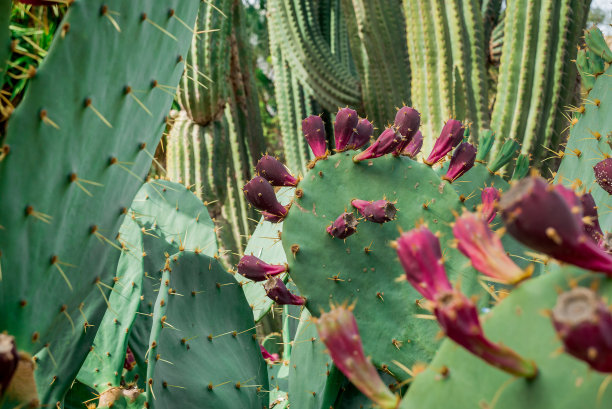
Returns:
(584, 324)
(421, 257)
(489, 197)
(485, 250)
(462, 160)
(338, 331)
(590, 218)
(537, 215)
(451, 136)
(407, 122)
(458, 317)
(275, 172)
(258, 270)
(343, 226)
(344, 126)
(314, 131)
(363, 133)
(280, 294)
(260, 193)
(414, 146)
(386, 143)
(271, 358)
(603, 174)
(379, 211)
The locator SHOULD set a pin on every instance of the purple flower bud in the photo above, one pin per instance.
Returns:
(260, 193)
(343, 226)
(278, 292)
(451, 136)
(489, 197)
(130, 361)
(362, 134)
(584, 324)
(414, 146)
(590, 219)
(485, 250)
(258, 270)
(537, 215)
(344, 126)
(9, 358)
(603, 174)
(421, 257)
(407, 122)
(314, 131)
(275, 172)
(462, 161)
(338, 330)
(386, 143)
(458, 317)
(380, 211)
(272, 358)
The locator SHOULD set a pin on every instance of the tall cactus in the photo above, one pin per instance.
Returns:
(74, 155)
(213, 142)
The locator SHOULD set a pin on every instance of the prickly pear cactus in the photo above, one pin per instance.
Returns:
(360, 268)
(60, 217)
(457, 379)
(219, 347)
(588, 143)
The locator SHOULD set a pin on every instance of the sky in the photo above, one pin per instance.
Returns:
(605, 5)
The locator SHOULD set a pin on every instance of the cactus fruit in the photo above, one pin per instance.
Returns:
(539, 216)
(344, 226)
(344, 127)
(314, 132)
(260, 194)
(485, 250)
(274, 172)
(8, 361)
(277, 291)
(362, 134)
(462, 160)
(338, 330)
(388, 141)
(603, 174)
(450, 137)
(584, 324)
(257, 270)
(378, 211)
(489, 198)
(414, 146)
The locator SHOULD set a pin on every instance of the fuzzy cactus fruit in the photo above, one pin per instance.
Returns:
(584, 324)
(462, 160)
(387, 142)
(344, 126)
(343, 226)
(603, 174)
(421, 257)
(485, 250)
(407, 122)
(313, 129)
(338, 330)
(257, 270)
(590, 218)
(414, 146)
(260, 194)
(489, 197)
(537, 215)
(278, 291)
(275, 172)
(363, 133)
(379, 211)
(451, 136)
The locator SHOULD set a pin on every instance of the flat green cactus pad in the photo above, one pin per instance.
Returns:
(327, 270)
